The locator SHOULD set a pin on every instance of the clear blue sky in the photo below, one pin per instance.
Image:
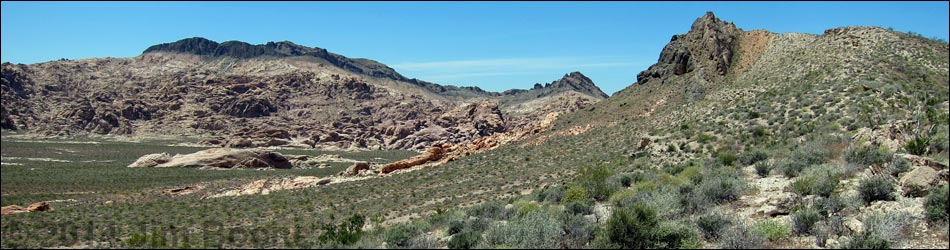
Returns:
(493, 45)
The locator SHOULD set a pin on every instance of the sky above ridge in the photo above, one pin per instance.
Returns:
(492, 45)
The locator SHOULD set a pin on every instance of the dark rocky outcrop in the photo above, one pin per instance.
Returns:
(710, 44)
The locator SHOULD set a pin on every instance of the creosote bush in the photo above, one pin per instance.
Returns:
(875, 188)
(936, 206)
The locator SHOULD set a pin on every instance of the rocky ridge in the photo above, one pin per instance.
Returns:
(234, 94)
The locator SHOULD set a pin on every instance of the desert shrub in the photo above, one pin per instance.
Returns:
(455, 227)
(828, 206)
(876, 187)
(579, 207)
(762, 168)
(626, 180)
(465, 240)
(533, 230)
(752, 157)
(490, 209)
(726, 158)
(821, 180)
(719, 186)
(621, 198)
(399, 235)
(866, 155)
(888, 225)
(866, 240)
(575, 193)
(154, 239)
(898, 166)
(740, 237)
(525, 207)
(477, 225)
(442, 217)
(790, 168)
(804, 219)
(594, 181)
(711, 225)
(551, 194)
(808, 154)
(345, 233)
(772, 230)
(936, 206)
(632, 227)
(423, 242)
(675, 235)
(918, 145)
(665, 201)
(577, 231)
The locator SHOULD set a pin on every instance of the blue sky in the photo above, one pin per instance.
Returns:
(493, 45)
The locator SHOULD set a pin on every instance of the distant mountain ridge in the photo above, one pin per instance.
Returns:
(276, 94)
(242, 50)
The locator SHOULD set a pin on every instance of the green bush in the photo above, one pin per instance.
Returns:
(867, 241)
(579, 207)
(491, 210)
(752, 157)
(866, 155)
(740, 237)
(762, 169)
(772, 230)
(716, 187)
(713, 224)
(674, 235)
(619, 198)
(577, 231)
(533, 230)
(400, 234)
(821, 180)
(918, 145)
(155, 239)
(632, 227)
(465, 240)
(898, 166)
(575, 193)
(936, 205)
(345, 233)
(726, 158)
(876, 187)
(594, 181)
(456, 227)
(804, 219)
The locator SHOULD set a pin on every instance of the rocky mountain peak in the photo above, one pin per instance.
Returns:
(710, 45)
(578, 82)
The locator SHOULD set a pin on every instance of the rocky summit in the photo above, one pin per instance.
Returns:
(236, 94)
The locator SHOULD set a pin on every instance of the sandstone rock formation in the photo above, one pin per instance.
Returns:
(35, 207)
(266, 186)
(432, 154)
(217, 158)
(235, 94)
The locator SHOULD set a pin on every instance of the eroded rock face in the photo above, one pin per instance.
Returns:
(710, 44)
(218, 158)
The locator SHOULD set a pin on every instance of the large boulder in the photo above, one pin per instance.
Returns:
(226, 158)
(151, 160)
(918, 182)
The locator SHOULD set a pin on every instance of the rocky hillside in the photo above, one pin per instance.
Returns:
(242, 95)
(781, 140)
